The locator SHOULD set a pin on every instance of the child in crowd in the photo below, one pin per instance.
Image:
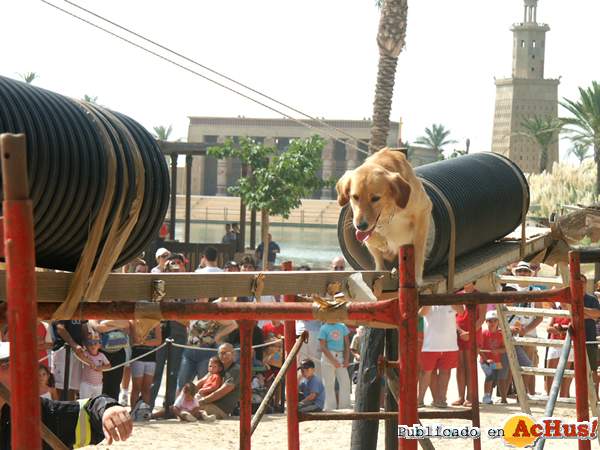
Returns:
(312, 391)
(187, 408)
(335, 348)
(95, 362)
(213, 380)
(47, 389)
(558, 330)
(491, 348)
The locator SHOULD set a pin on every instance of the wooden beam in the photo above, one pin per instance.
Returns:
(53, 286)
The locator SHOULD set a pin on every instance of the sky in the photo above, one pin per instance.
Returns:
(319, 56)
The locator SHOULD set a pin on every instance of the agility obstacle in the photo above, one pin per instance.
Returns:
(23, 307)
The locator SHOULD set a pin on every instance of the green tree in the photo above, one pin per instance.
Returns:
(584, 126)
(29, 77)
(162, 133)
(544, 132)
(580, 151)
(277, 183)
(90, 99)
(436, 138)
(391, 37)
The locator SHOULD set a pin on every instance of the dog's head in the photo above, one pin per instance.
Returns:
(371, 192)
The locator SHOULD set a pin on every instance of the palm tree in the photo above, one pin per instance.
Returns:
(436, 138)
(544, 131)
(390, 39)
(90, 99)
(584, 126)
(162, 133)
(29, 77)
(580, 151)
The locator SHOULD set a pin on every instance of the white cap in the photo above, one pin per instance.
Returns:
(522, 265)
(4, 350)
(161, 251)
(491, 315)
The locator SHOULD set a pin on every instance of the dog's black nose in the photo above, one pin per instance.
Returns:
(362, 226)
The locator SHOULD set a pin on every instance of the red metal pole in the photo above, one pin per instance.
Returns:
(291, 377)
(473, 388)
(578, 324)
(21, 294)
(246, 327)
(407, 343)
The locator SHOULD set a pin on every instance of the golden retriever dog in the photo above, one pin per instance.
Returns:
(389, 205)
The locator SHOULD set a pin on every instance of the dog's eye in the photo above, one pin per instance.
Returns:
(375, 198)
(355, 197)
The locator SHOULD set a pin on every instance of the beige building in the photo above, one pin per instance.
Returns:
(526, 94)
(212, 177)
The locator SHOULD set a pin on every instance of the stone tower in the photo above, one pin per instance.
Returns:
(526, 94)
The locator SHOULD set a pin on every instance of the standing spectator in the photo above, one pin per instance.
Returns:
(558, 330)
(491, 349)
(229, 236)
(223, 401)
(335, 355)
(114, 339)
(440, 351)
(312, 391)
(523, 325)
(208, 262)
(464, 348)
(142, 370)
(355, 349)
(338, 263)
(44, 340)
(273, 329)
(271, 254)
(96, 362)
(177, 332)
(162, 256)
(68, 333)
(235, 227)
(591, 307)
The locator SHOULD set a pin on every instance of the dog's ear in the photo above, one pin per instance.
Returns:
(400, 190)
(343, 188)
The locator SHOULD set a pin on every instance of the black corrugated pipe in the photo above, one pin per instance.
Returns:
(67, 146)
(488, 193)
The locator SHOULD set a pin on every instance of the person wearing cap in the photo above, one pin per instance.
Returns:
(312, 391)
(101, 416)
(162, 256)
(523, 325)
(491, 349)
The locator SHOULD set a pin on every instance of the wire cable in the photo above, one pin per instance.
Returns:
(141, 47)
(220, 74)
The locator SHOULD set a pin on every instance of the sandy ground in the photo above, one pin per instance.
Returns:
(272, 432)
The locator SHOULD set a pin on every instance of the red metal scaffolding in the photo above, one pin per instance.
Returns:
(23, 312)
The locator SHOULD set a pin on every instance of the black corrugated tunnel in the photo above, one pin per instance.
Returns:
(68, 143)
(487, 192)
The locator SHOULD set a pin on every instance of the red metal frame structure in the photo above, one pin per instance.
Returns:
(23, 311)
(19, 250)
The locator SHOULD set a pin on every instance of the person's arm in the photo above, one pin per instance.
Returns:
(103, 326)
(105, 363)
(310, 397)
(591, 313)
(533, 325)
(66, 336)
(328, 354)
(225, 389)
(458, 309)
(424, 310)
(228, 327)
(210, 389)
(481, 310)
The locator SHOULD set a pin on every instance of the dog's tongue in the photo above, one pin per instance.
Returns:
(362, 236)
